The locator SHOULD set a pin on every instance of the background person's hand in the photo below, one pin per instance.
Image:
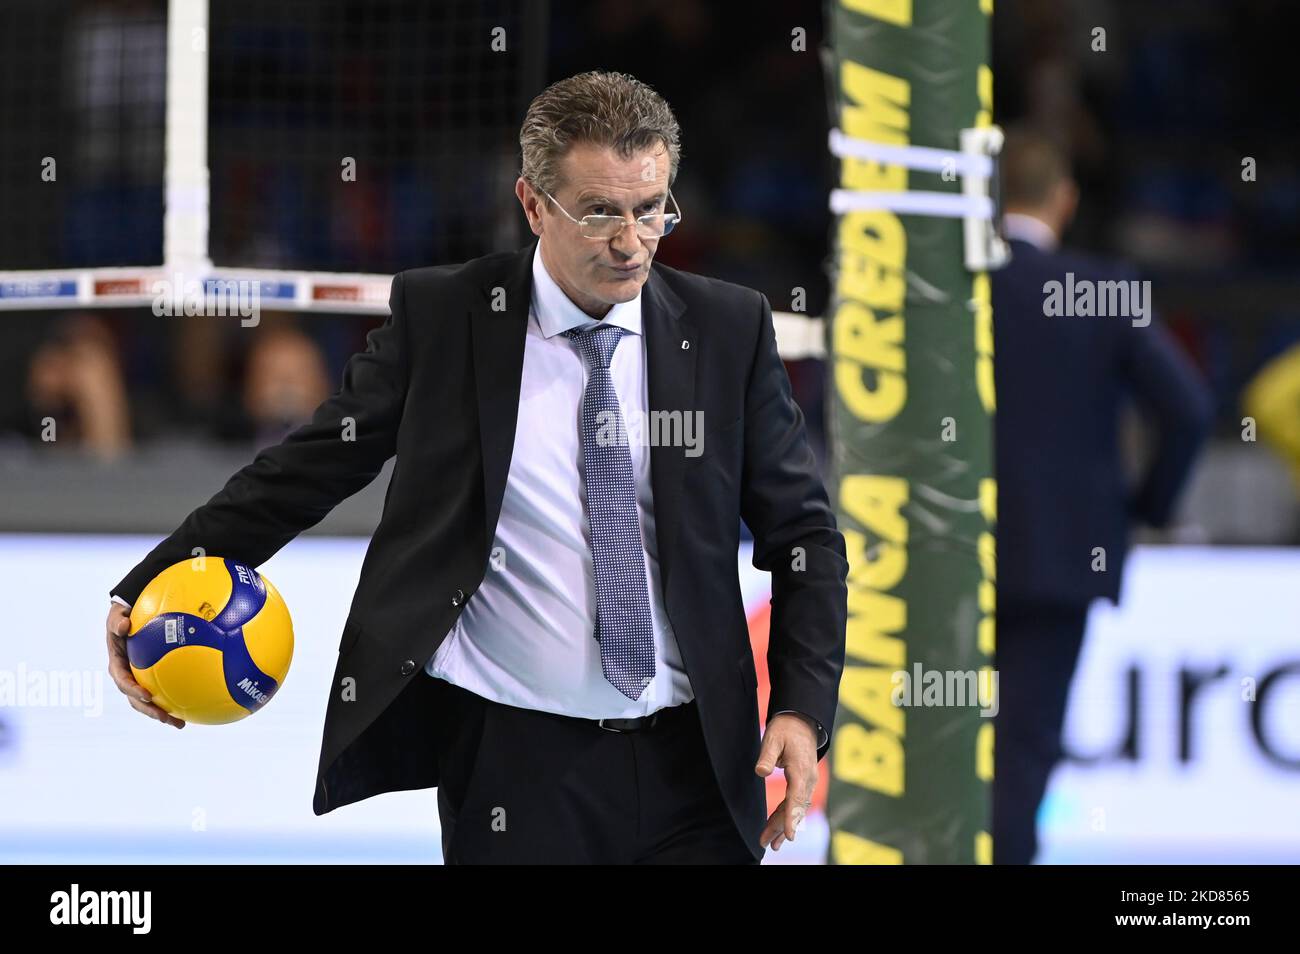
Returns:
(119, 668)
(790, 742)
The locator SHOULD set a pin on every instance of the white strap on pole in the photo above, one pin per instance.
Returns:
(974, 204)
(952, 205)
(922, 158)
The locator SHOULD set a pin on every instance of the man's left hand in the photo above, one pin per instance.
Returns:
(791, 743)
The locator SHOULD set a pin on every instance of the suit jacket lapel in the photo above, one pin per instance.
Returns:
(498, 342)
(671, 347)
(498, 337)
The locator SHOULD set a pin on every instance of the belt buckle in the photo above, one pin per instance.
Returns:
(646, 723)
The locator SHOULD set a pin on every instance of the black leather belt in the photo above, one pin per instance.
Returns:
(638, 723)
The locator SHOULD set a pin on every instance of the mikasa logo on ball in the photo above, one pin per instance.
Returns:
(250, 687)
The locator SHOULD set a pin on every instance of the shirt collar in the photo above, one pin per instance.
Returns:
(556, 312)
(1026, 228)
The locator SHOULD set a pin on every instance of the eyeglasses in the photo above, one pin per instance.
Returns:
(655, 225)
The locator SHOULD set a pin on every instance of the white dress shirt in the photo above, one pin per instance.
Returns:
(525, 637)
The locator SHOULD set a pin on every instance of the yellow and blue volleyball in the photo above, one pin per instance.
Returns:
(211, 639)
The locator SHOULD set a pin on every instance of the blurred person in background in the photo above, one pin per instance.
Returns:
(286, 381)
(285, 378)
(1065, 506)
(74, 394)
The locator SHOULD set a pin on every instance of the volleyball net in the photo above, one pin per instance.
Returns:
(305, 150)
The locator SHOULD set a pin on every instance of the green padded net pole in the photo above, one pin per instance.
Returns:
(909, 345)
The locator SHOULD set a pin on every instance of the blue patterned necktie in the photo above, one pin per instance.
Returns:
(623, 625)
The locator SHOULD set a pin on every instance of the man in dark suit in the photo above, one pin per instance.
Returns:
(548, 625)
(1062, 376)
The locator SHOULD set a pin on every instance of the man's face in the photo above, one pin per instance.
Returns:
(599, 273)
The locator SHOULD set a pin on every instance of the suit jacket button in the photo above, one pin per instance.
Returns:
(408, 667)
(458, 598)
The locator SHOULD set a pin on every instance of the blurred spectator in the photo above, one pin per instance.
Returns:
(75, 393)
(285, 380)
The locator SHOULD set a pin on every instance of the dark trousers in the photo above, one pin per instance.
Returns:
(520, 786)
(1036, 653)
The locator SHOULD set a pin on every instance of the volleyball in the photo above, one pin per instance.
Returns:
(211, 640)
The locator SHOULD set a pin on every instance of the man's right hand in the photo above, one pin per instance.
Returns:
(119, 668)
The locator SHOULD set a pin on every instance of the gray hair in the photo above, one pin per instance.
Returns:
(601, 108)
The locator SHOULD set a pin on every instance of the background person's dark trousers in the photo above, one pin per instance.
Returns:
(1036, 654)
(521, 786)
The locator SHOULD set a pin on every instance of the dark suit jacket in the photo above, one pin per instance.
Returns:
(1061, 383)
(438, 386)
